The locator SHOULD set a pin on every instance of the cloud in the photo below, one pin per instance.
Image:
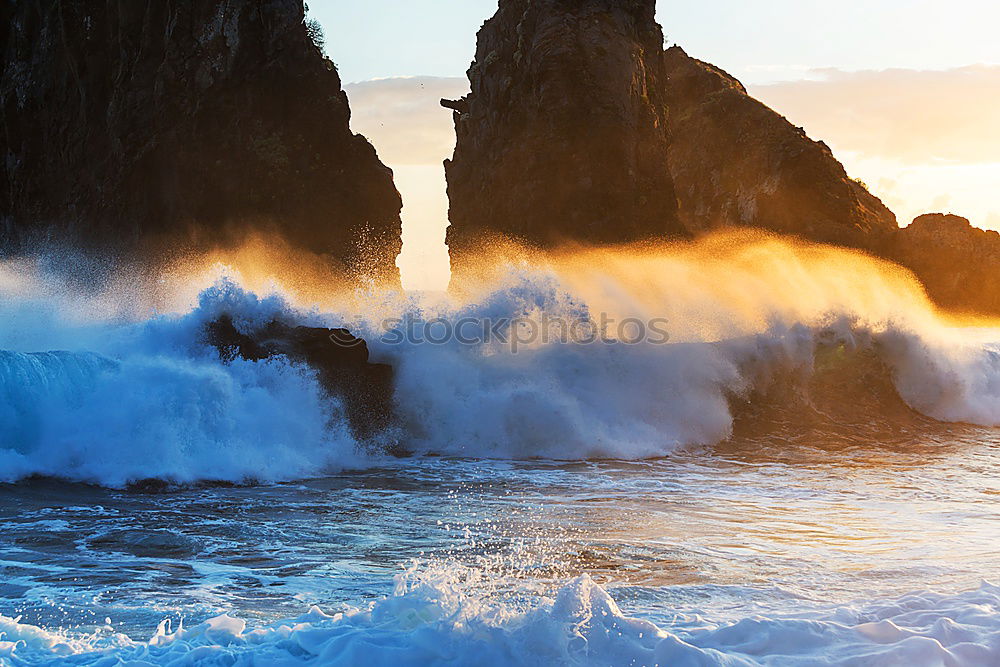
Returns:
(910, 116)
(969, 190)
(941, 202)
(403, 118)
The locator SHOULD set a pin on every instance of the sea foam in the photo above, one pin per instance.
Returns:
(132, 395)
(433, 621)
(132, 401)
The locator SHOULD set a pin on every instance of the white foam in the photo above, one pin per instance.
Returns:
(140, 397)
(434, 621)
(632, 401)
(156, 402)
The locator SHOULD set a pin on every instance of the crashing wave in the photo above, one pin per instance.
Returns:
(433, 621)
(157, 403)
(765, 337)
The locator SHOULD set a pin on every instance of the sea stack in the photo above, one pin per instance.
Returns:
(148, 127)
(737, 163)
(580, 128)
(563, 135)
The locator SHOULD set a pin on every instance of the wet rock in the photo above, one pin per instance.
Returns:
(340, 360)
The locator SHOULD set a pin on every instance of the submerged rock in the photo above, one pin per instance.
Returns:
(562, 137)
(736, 162)
(339, 359)
(958, 264)
(151, 126)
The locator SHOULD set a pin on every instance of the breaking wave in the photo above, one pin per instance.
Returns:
(433, 619)
(764, 334)
(151, 401)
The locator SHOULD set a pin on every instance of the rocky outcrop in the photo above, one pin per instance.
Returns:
(736, 162)
(580, 128)
(562, 137)
(339, 359)
(958, 264)
(151, 126)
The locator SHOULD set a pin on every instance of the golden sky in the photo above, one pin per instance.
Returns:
(923, 140)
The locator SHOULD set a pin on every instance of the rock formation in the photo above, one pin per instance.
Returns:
(736, 162)
(562, 136)
(579, 127)
(149, 126)
(958, 264)
(339, 359)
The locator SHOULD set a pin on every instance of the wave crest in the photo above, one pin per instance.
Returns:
(766, 336)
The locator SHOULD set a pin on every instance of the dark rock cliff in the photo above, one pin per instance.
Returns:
(151, 126)
(958, 264)
(736, 162)
(562, 136)
(579, 127)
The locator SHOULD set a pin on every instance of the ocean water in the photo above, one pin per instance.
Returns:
(799, 476)
(737, 556)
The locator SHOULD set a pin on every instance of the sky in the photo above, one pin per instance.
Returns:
(906, 92)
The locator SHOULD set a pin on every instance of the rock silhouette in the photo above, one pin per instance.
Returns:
(563, 135)
(736, 162)
(580, 128)
(151, 127)
(958, 264)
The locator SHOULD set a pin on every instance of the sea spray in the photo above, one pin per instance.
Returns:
(744, 314)
(155, 402)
